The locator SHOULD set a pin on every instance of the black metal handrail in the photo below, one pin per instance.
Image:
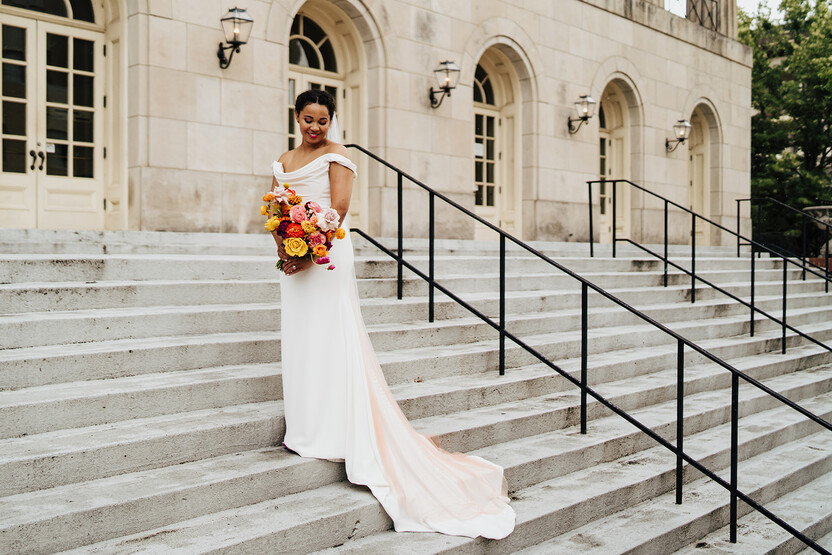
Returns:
(803, 235)
(755, 246)
(586, 285)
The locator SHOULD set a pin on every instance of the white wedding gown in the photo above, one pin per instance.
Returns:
(338, 405)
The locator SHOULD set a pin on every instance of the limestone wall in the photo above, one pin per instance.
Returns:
(201, 140)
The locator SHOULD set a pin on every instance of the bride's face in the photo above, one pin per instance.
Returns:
(313, 121)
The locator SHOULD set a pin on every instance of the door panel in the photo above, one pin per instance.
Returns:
(487, 171)
(18, 168)
(52, 99)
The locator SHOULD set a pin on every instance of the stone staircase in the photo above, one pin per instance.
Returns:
(140, 400)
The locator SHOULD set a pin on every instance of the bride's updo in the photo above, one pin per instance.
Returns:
(315, 96)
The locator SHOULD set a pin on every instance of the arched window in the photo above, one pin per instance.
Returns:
(80, 10)
(309, 46)
(483, 91)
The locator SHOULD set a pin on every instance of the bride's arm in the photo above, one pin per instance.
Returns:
(340, 186)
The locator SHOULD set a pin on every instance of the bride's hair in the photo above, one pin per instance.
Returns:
(315, 96)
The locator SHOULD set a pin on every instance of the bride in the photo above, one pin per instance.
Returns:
(336, 400)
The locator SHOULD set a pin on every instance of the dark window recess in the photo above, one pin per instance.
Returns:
(54, 7)
(14, 43)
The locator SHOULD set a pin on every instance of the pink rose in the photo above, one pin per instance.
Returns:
(314, 206)
(329, 220)
(297, 213)
(316, 238)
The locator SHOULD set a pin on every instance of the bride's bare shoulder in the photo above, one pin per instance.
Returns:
(286, 157)
(337, 148)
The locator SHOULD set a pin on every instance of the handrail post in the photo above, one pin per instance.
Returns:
(584, 353)
(735, 400)
(665, 242)
(692, 257)
(751, 324)
(680, 415)
(785, 277)
(399, 277)
(803, 249)
(759, 226)
(614, 219)
(738, 227)
(431, 256)
(826, 261)
(591, 234)
(502, 304)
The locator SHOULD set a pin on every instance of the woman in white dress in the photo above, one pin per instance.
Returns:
(336, 400)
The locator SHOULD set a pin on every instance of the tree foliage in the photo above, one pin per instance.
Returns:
(791, 94)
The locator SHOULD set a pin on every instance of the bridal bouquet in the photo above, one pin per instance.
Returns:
(306, 228)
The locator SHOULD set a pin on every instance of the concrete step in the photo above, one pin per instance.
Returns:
(21, 268)
(60, 296)
(587, 497)
(246, 529)
(808, 510)
(76, 326)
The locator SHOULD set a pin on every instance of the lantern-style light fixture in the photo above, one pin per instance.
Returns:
(682, 131)
(585, 105)
(447, 76)
(236, 25)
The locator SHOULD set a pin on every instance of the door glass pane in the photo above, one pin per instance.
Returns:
(490, 124)
(82, 91)
(489, 172)
(478, 171)
(56, 87)
(478, 196)
(478, 124)
(57, 50)
(14, 156)
(56, 123)
(82, 10)
(334, 92)
(489, 149)
(14, 118)
(82, 161)
(489, 195)
(82, 127)
(55, 7)
(82, 58)
(291, 91)
(56, 162)
(14, 80)
(14, 43)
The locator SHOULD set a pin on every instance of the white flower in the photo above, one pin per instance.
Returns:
(329, 219)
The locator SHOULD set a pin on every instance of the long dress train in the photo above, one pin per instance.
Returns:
(338, 405)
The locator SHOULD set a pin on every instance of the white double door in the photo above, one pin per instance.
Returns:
(52, 108)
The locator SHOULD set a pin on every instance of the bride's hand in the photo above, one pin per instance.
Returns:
(295, 265)
(281, 251)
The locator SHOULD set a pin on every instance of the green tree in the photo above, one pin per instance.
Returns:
(791, 94)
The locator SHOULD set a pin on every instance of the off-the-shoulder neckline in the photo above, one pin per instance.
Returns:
(312, 162)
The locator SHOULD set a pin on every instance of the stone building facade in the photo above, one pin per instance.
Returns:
(129, 122)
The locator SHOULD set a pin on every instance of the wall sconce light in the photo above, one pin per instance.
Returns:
(682, 130)
(447, 75)
(586, 107)
(236, 25)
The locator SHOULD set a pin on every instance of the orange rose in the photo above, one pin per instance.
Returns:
(319, 250)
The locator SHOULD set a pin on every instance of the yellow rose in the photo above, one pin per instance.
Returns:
(272, 223)
(308, 227)
(340, 233)
(295, 246)
(264, 209)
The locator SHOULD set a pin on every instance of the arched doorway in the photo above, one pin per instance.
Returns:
(496, 142)
(614, 161)
(53, 112)
(699, 149)
(324, 53)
